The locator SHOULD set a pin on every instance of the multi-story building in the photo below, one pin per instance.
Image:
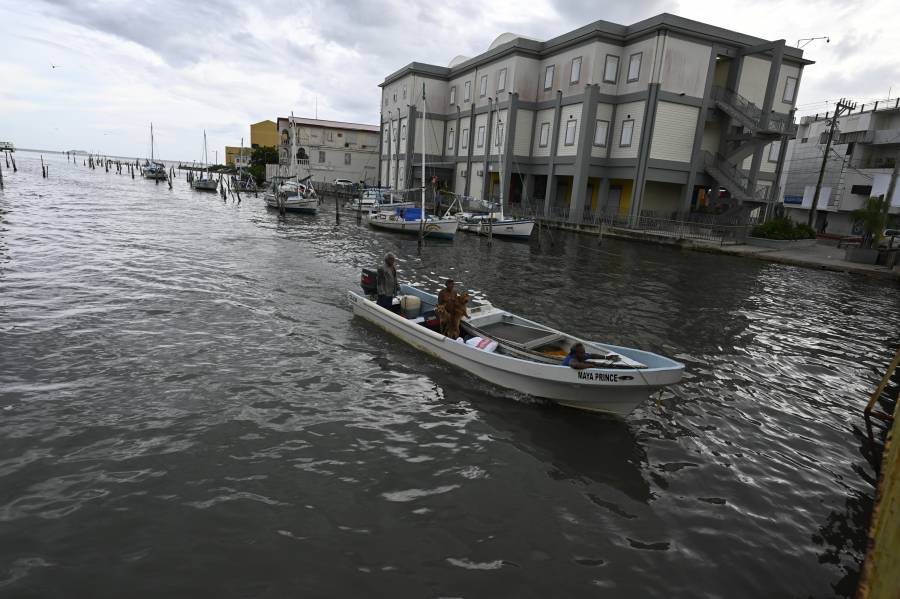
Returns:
(334, 150)
(863, 154)
(607, 118)
(237, 156)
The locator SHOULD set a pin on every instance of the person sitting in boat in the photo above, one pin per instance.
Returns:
(446, 296)
(387, 286)
(578, 358)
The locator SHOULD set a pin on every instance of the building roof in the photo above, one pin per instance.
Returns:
(507, 44)
(332, 124)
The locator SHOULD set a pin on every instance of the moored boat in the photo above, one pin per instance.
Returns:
(527, 356)
(153, 169)
(517, 229)
(410, 221)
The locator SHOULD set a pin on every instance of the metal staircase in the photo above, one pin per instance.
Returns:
(750, 116)
(732, 178)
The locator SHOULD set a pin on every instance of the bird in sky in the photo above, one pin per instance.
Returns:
(54, 66)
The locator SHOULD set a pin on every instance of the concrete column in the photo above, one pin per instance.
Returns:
(457, 137)
(380, 145)
(696, 153)
(772, 84)
(583, 153)
(489, 129)
(602, 195)
(411, 126)
(387, 176)
(397, 156)
(775, 190)
(554, 142)
(506, 160)
(640, 171)
(471, 142)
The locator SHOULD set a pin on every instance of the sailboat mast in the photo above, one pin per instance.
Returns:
(502, 151)
(151, 142)
(423, 151)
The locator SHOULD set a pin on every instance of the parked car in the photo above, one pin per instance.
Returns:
(343, 182)
(890, 238)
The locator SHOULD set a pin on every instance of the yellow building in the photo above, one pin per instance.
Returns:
(233, 152)
(263, 133)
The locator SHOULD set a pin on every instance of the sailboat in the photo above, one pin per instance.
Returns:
(205, 183)
(494, 224)
(415, 220)
(291, 193)
(154, 169)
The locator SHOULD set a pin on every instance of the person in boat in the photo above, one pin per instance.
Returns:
(578, 358)
(446, 297)
(386, 283)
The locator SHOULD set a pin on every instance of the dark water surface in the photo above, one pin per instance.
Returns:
(187, 408)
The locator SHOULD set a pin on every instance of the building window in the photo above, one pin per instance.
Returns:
(482, 91)
(774, 150)
(634, 67)
(611, 69)
(601, 133)
(347, 157)
(467, 96)
(499, 141)
(571, 125)
(404, 92)
(329, 136)
(450, 140)
(480, 141)
(627, 131)
(790, 90)
(452, 95)
(501, 80)
(548, 76)
(465, 139)
(403, 132)
(544, 138)
(395, 97)
(576, 71)
(321, 156)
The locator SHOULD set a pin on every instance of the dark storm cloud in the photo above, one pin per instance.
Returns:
(182, 33)
(621, 13)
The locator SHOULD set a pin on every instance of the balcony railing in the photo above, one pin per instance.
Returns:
(751, 115)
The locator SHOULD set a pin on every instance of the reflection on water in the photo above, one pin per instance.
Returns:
(183, 389)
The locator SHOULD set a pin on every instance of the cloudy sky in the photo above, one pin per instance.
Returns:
(220, 65)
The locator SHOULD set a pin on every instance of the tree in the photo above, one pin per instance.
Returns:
(873, 217)
(262, 156)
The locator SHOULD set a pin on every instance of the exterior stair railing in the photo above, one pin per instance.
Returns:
(750, 115)
(732, 177)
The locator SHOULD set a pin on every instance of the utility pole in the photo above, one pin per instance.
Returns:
(842, 105)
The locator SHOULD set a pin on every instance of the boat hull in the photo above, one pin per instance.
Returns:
(513, 229)
(612, 391)
(205, 185)
(435, 229)
(293, 204)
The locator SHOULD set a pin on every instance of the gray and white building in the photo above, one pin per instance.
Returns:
(863, 155)
(608, 118)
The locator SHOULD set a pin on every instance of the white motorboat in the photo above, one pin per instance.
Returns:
(377, 199)
(523, 355)
(409, 220)
(518, 229)
(293, 196)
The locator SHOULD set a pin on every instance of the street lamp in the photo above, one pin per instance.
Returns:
(805, 41)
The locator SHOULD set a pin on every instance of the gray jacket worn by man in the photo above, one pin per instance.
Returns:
(387, 281)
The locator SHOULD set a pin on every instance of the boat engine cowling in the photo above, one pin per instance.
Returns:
(369, 281)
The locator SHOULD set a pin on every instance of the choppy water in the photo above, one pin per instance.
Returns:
(187, 408)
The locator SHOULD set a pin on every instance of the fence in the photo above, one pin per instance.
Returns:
(725, 229)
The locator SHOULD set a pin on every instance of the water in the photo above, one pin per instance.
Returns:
(187, 408)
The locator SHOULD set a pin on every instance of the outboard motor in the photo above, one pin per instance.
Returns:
(369, 281)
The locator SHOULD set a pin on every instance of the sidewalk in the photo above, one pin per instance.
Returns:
(821, 256)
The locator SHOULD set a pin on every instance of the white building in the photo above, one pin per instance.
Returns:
(610, 119)
(862, 157)
(335, 150)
